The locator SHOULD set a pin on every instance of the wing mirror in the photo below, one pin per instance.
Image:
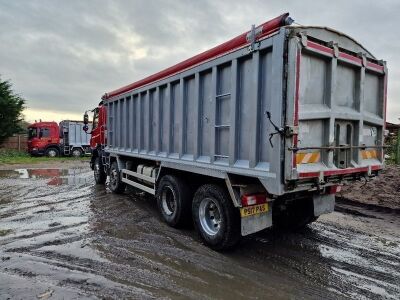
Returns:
(85, 119)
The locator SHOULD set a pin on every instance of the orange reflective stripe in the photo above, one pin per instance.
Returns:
(308, 158)
(367, 154)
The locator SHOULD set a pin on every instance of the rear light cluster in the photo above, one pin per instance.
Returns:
(254, 199)
(334, 189)
(248, 200)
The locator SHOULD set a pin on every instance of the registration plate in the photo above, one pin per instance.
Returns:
(253, 210)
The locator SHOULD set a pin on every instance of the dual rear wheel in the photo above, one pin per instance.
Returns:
(214, 216)
(76, 152)
(172, 199)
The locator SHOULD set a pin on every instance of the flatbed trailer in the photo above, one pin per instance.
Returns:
(262, 130)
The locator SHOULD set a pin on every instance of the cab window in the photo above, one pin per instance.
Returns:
(44, 132)
(32, 132)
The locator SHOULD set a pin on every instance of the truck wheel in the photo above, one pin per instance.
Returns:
(116, 184)
(173, 199)
(98, 169)
(215, 218)
(52, 152)
(76, 152)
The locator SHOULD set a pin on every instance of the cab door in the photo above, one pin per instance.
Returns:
(44, 137)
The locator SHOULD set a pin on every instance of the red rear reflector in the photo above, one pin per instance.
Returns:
(334, 189)
(248, 200)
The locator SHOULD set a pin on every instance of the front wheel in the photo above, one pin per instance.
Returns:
(116, 185)
(216, 219)
(98, 169)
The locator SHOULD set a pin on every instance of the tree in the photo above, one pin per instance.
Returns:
(11, 106)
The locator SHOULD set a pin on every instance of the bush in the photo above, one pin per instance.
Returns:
(11, 105)
(390, 151)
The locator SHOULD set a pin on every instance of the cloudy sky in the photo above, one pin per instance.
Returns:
(63, 55)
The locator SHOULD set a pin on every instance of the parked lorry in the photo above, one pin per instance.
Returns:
(52, 139)
(260, 131)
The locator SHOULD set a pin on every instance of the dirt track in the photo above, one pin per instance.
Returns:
(62, 236)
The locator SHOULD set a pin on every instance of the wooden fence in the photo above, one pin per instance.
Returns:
(16, 142)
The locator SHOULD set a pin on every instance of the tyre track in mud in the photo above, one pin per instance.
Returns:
(78, 240)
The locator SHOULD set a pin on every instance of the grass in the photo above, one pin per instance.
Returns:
(4, 232)
(8, 156)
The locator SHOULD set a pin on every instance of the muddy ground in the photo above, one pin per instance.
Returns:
(382, 191)
(63, 237)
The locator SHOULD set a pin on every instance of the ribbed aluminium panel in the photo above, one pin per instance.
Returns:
(212, 114)
(76, 135)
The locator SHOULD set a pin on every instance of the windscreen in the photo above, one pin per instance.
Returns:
(32, 133)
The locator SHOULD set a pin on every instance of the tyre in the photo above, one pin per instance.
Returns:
(216, 219)
(98, 170)
(116, 185)
(76, 152)
(52, 152)
(174, 199)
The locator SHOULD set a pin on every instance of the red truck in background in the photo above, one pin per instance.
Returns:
(52, 139)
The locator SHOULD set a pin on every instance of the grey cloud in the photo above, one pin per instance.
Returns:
(63, 55)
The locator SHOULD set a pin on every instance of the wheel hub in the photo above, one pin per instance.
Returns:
(168, 201)
(210, 216)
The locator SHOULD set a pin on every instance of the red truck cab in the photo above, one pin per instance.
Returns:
(98, 133)
(98, 137)
(44, 138)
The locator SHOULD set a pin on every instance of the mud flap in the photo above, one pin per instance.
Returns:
(252, 224)
(323, 204)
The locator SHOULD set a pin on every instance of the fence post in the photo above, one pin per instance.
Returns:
(397, 150)
(19, 142)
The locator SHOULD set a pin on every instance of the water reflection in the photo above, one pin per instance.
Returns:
(55, 176)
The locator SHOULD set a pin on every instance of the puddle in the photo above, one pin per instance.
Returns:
(55, 176)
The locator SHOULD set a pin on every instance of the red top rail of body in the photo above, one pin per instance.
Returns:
(241, 40)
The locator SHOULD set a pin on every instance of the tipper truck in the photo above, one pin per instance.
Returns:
(52, 139)
(260, 131)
